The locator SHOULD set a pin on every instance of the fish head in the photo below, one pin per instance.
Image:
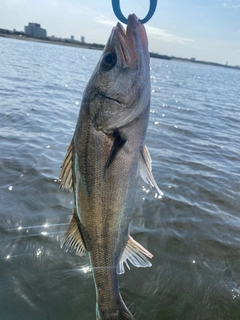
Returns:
(119, 89)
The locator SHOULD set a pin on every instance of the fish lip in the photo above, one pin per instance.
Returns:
(135, 24)
(121, 29)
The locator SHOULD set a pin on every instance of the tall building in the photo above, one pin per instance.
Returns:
(82, 39)
(35, 30)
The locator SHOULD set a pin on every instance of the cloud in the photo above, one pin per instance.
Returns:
(104, 20)
(152, 32)
(163, 35)
(232, 4)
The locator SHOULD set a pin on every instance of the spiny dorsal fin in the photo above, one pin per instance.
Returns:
(72, 240)
(146, 169)
(66, 173)
(134, 253)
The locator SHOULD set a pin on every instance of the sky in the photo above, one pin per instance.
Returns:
(208, 30)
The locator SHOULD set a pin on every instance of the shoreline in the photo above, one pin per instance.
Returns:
(55, 42)
(95, 46)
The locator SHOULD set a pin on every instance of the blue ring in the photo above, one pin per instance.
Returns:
(120, 16)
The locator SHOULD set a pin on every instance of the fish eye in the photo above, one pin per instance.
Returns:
(108, 61)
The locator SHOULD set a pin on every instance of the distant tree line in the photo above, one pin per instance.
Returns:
(17, 33)
(101, 46)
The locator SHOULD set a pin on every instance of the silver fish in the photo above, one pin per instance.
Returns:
(103, 161)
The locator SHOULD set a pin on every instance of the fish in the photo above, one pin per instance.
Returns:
(103, 162)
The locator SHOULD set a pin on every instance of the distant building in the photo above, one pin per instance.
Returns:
(82, 39)
(53, 38)
(72, 38)
(35, 30)
(193, 59)
(5, 31)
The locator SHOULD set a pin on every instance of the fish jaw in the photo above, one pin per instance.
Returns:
(132, 42)
(119, 95)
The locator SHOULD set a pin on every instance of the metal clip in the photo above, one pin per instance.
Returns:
(120, 16)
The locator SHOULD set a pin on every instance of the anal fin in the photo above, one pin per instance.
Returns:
(146, 169)
(66, 173)
(72, 240)
(134, 253)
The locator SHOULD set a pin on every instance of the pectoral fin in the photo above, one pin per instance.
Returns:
(66, 173)
(146, 169)
(134, 253)
(118, 143)
(72, 240)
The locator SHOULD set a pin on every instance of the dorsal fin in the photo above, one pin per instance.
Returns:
(66, 173)
(145, 166)
(118, 143)
(72, 240)
(136, 254)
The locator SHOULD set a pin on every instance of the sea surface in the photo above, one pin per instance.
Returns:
(193, 231)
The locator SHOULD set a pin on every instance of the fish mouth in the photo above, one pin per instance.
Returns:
(135, 24)
(132, 41)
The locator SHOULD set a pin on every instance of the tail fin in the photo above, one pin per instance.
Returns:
(122, 313)
(126, 315)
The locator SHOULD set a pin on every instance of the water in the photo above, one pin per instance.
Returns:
(193, 231)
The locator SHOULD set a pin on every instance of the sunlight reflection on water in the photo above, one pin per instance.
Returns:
(192, 231)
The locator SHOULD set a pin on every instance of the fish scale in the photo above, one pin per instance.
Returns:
(103, 162)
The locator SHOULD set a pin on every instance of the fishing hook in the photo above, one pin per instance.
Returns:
(120, 16)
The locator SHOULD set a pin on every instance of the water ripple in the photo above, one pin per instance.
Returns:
(192, 231)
